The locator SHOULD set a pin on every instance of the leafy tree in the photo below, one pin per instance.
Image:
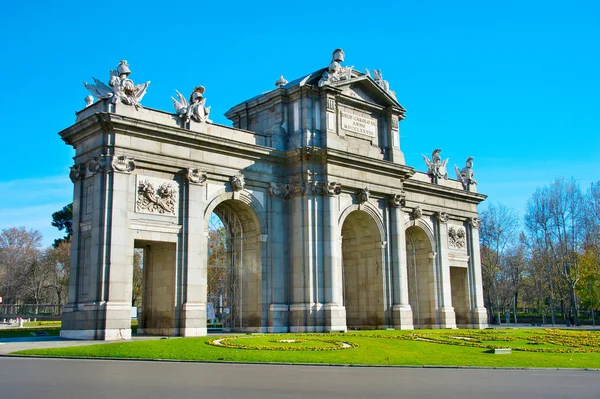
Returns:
(63, 220)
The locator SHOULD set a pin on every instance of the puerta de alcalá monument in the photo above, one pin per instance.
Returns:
(321, 226)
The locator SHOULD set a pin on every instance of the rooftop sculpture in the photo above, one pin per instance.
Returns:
(465, 176)
(120, 88)
(195, 109)
(436, 168)
(336, 71)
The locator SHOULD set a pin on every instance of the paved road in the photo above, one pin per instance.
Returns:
(98, 379)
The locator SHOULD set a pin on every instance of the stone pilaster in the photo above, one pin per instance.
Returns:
(447, 315)
(193, 308)
(479, 313)
(402, 317)
(70, 308)
(335, 312)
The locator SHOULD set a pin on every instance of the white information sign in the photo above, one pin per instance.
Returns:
(359, 124)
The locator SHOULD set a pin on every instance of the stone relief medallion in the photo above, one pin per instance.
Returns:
(286, 191)
(362, 195)
(457, 237)
(157, 196)
(237, 182)
(195, 176)
(76, 173)
(123, 163)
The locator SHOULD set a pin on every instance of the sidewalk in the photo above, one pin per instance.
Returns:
(8, 345)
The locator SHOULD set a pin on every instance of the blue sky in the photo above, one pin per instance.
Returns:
(514, 84)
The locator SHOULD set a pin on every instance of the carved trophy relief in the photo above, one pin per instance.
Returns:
(457, 237)
(158, 196)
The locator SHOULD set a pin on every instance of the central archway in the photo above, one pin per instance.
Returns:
(234, 268)
(362, 272)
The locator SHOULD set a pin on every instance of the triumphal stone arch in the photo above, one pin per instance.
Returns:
(327, 228)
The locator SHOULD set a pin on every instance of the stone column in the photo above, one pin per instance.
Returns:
(402, 317)
(335, 312)
(193, 308)
(447, 316)
(478, 311)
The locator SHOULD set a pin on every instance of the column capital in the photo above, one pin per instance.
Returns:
(398, 200)
(196, 176)
(327, 188)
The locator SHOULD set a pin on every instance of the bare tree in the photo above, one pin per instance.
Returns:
(20, 250)
(59, 260)
(498, 232)
(555, 222)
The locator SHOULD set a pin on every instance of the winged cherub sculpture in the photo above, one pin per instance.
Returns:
(195, 109)
(436, 168)
(120, 88)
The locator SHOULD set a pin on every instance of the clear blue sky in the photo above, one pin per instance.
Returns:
(514, 84)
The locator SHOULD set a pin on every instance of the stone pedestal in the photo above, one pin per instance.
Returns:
(447, 317)
(402, 317)
(335, 317)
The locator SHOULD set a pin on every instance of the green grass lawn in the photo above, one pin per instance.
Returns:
(530, 348)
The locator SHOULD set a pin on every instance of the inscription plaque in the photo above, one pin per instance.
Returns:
(359, 124)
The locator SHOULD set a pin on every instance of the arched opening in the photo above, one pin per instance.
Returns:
(362, 272)
(421, 281)
(234, 269)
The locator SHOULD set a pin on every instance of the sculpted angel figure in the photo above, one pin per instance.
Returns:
(466, 175)
(195, 109)
(436, 168)
(120, 88)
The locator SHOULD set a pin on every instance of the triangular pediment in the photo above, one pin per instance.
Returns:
(364, 88)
